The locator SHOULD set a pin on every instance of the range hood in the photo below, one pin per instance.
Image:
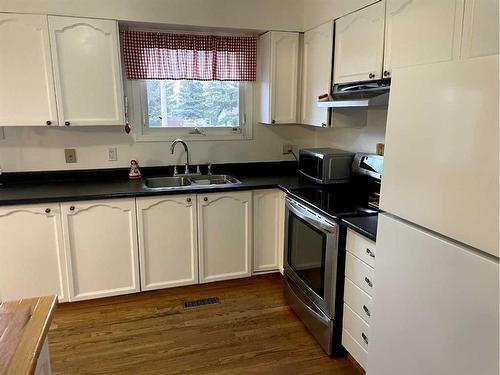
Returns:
(358, 95)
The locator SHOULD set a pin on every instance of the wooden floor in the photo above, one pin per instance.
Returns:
(252, 331)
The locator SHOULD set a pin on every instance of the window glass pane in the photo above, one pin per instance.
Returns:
(178, 104)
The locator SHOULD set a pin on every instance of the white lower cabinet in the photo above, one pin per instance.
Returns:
(358, 296)
(168, 243)
(101, 248)
(92, 249)
(268, 230)
(224, 235)
(31, 252)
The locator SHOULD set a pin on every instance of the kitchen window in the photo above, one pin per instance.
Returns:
(194, 86)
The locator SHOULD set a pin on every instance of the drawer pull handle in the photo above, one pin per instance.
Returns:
(365, 338)
(47, 210)
(367, 311)
(369, 282)
(370, 253)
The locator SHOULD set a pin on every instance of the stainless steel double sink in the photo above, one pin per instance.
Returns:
(176, 182)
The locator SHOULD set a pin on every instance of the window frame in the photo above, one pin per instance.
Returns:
(144, 133)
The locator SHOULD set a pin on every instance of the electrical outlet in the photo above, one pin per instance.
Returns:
(70, 155)
(112, 154)
(286, 148)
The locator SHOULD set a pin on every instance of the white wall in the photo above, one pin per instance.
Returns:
(32, 149)
(239, 14)
(317, 12)
(361, 139)
(28, 149)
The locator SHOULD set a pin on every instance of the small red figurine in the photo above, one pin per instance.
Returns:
(134, 173)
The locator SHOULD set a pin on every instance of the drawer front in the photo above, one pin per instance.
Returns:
(362, 247)
(358, 301)
(359, 273)
(356, 327)
(354, 349)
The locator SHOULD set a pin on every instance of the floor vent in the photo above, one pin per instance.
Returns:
(201, 302)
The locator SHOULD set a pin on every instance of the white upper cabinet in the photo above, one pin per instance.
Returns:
(101, 248)
(316, 73)
(32, 252)
(87, 70)
(480, 37)
(422, 32)
(168, 243)
(278, 72)
(225, 235)
(26, 83)
(359, 45)
(268, 229)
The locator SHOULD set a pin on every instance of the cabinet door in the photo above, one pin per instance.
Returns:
(268, 230)
(359, 45)
(27, 95)
(87, 71)
(285, 71)
(168, 244)
(277, 81)
(101, 248)
(480, 37)
(32, 253)
(225, 235)
(316, 73)
(422, 32)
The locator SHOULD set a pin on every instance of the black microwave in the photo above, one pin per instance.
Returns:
(325, 165)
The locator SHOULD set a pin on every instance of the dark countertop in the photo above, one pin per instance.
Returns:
(365, 225)
(68, 186)
(64, 186)
(30, 193)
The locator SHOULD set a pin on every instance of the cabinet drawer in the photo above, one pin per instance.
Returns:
(358, 301)
(362, 247)
(356, 327)
(359, 273)
(354, 349)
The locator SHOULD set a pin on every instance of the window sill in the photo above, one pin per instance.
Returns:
(191, 137)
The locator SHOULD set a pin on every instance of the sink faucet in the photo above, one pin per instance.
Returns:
(172, 148)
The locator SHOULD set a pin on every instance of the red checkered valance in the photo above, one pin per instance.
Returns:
(150, 55)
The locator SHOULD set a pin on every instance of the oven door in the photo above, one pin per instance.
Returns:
(311, 247)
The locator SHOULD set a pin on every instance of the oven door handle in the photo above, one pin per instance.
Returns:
(312, 219)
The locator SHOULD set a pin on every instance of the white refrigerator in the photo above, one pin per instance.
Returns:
(436, 301)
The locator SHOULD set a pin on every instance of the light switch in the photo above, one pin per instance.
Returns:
(112, 154)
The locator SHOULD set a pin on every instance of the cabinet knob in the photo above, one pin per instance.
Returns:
(49, 122)
(47, 210)
(371, 75)
(72, 208)
(205, 199)
(387, 73)
(367, 311)
(369, 282)
(323, 125)
(273, 121)
(188, 200)
(364, 337)
(370, 253)
(67, 123)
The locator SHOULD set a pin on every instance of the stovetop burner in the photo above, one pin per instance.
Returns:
(339, 200)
